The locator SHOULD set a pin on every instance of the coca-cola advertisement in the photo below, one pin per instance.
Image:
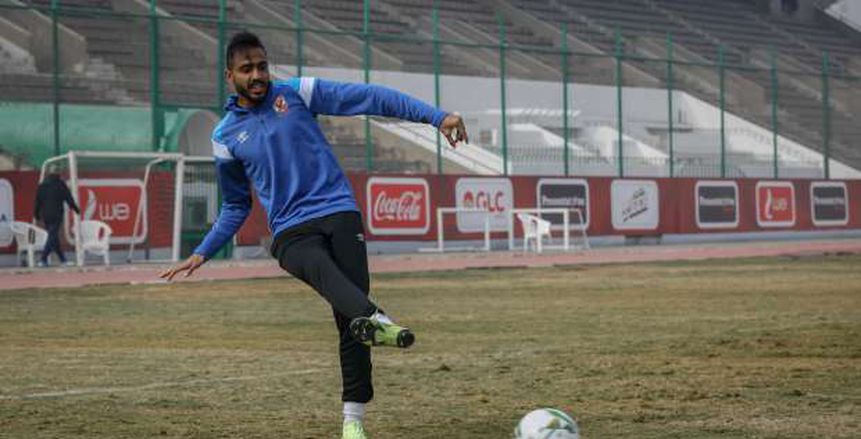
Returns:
(775, 204)
(398, 206)
(116, 202)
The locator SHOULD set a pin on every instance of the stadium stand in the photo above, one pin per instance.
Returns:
(115, 64)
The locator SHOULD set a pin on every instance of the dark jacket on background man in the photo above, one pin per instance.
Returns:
(50, 196)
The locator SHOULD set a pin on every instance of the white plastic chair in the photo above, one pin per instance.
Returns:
(534, 228)
(96, 239)
(30, 239)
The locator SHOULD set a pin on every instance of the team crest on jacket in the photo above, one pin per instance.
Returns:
(280, 104)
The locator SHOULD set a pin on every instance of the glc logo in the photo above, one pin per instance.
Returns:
(491, 202)
(494, 195)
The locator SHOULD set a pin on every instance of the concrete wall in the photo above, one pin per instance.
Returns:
(33, 32)
(848, 11)
(805, 9)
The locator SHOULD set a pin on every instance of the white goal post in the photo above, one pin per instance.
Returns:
(148, 160)
(440, 230)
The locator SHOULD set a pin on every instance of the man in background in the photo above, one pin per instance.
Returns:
(50, 197)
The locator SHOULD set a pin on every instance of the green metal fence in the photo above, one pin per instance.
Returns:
(647, 106)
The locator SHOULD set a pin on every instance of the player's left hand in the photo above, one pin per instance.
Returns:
(189, 266)
(453, 129)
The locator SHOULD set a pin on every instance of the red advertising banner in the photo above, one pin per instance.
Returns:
(775, 204)
(398, 206)
(115, 202)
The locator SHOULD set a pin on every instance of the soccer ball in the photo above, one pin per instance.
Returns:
(547, 424)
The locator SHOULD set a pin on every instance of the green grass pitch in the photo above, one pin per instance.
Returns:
(756, 348)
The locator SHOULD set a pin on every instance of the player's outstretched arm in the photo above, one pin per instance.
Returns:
(189, 266)
(453, 129)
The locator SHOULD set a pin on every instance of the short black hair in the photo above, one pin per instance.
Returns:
(240, 42)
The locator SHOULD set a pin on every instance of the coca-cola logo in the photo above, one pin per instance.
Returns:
(775, 201)
(404, 207)
(398, 206)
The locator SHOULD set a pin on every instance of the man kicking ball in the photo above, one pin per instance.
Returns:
(270, 137)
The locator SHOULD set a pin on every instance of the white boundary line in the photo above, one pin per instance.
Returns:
(101, 390)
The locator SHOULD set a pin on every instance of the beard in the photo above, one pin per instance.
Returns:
(255, 97)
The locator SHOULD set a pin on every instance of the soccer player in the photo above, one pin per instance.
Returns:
(270, 137)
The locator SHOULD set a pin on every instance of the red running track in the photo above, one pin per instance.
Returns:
(11, 279)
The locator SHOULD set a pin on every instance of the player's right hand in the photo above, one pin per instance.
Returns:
(454, 130)
(189, 266)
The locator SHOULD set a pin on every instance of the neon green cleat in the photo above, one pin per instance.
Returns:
(353, 430)
(374, 332)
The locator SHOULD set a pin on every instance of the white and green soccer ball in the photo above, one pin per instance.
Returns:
(547, 424)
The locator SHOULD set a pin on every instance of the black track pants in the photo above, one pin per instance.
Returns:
(329, 254)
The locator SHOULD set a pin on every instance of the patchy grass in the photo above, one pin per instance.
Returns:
(758, 348)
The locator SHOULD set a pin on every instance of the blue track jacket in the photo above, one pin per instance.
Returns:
(279, 146)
